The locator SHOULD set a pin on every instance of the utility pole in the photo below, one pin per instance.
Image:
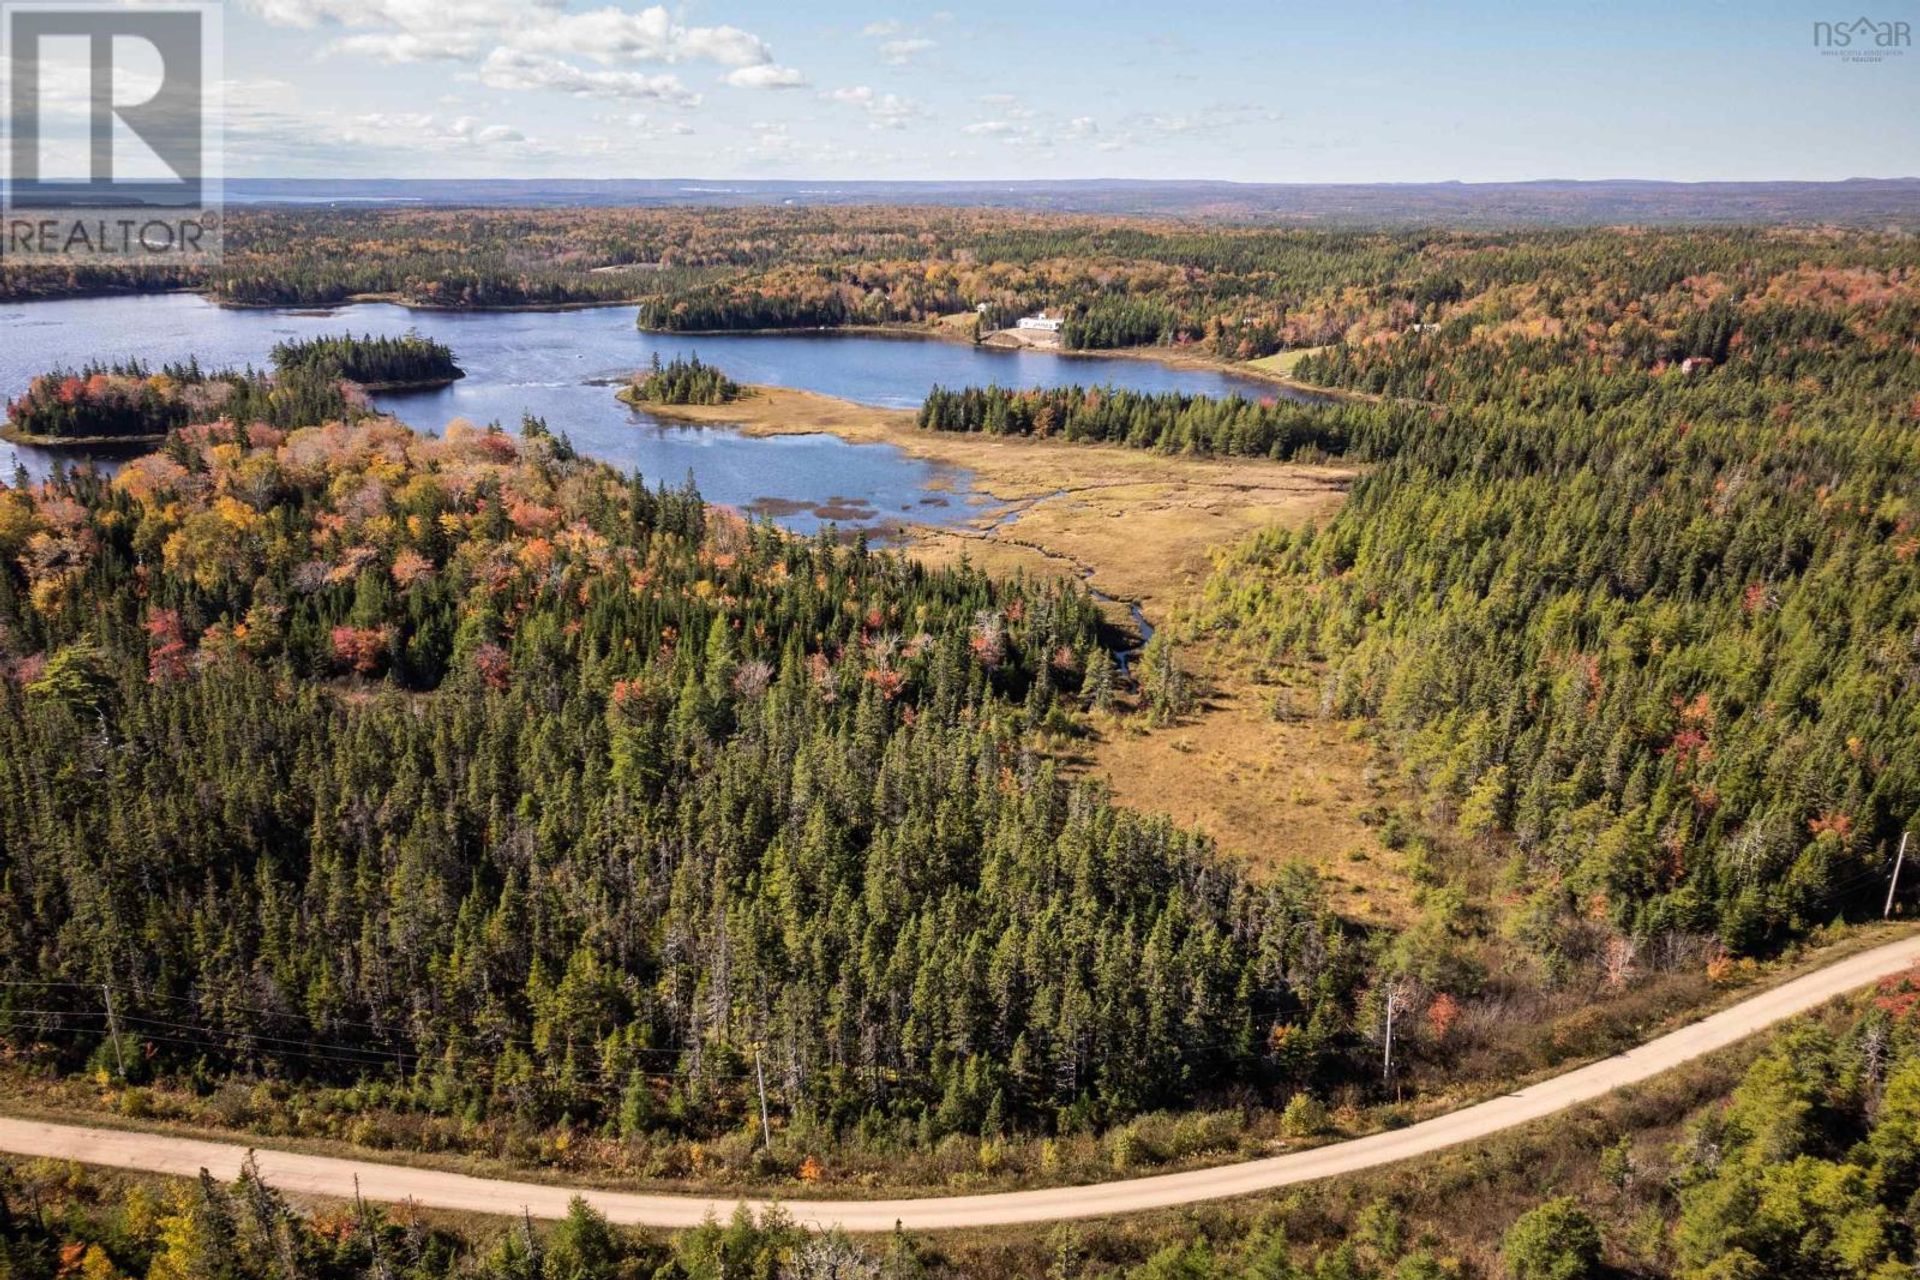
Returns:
(113, 1030)
(380, 1270)
(1386, 1062)
(760, 1078)
(1894, 886)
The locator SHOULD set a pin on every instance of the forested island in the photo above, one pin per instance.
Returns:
(682, 380)
(377, 363)
(130, 402)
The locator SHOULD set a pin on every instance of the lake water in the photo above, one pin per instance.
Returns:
(565, 366)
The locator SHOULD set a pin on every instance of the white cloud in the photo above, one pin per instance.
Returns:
(885, 27)
(407, 46)
(1212, 119)
(540, 45)
(772, 145)
(771, 140)
(381, 128)
(612, 35)
(766, 76)
(1020, 128)
(639, 126)
(884, 110)
(903, 51)
(508, 69)
(270, 123)
(405, 15)
(1148, 129)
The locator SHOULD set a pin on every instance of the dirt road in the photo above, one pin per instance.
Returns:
(333, 1176)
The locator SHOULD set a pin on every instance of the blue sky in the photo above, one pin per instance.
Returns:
(1253, 91)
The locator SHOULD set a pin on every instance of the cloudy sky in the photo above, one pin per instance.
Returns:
(1256, 90)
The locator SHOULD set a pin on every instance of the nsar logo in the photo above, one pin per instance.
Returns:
(1863, 39)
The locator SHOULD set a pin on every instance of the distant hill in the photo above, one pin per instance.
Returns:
(1861, 201)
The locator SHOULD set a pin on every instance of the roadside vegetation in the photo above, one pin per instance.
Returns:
(1797, 1157)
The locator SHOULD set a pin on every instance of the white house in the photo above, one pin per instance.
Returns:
(1043, 323)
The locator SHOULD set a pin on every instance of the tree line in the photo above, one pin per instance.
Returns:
(1166, 421)
(1236, 292)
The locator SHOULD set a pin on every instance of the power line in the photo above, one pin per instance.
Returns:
(503, 1041)
(331, 1052)
(334, 1053)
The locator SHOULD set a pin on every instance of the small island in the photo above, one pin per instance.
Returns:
(681, 382)
(409, 362)
(132, 403)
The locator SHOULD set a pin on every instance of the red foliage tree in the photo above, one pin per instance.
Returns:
(360, 649)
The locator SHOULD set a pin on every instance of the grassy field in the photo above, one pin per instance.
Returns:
(1283, 362)
(1272, 781)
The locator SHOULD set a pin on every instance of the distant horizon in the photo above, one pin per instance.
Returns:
(1185, 180)
(1862, 201)
(1691, 92)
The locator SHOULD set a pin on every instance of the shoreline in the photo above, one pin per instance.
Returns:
(1178, 358)
(403, 385)
(1136, 526)
(388, 299)
(11, 436)
(629, 395)
(1171, 357)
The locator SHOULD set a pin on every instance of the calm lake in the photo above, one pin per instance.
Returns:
(564, 365)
